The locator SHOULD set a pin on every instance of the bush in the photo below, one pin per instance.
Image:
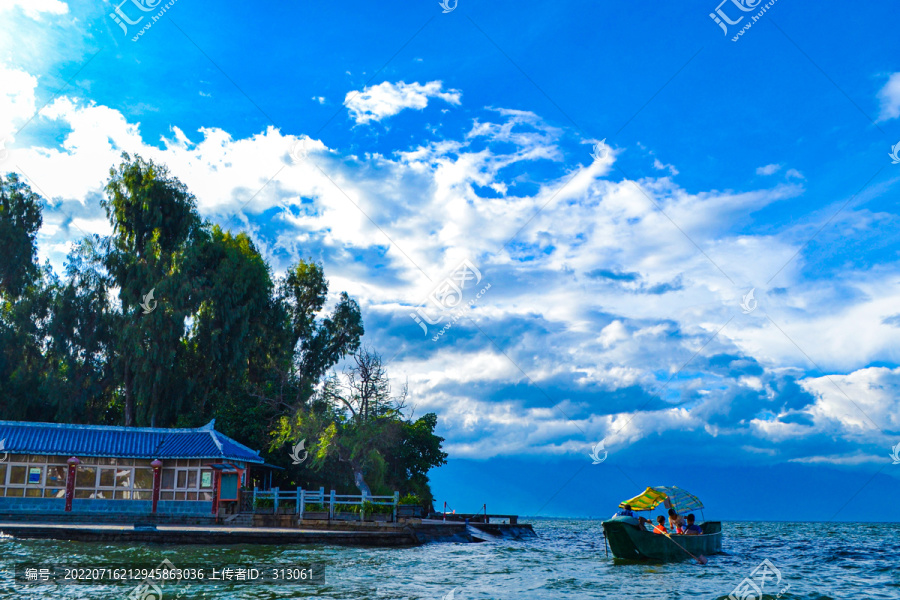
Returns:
(263, 503)
(313, 507)
(371, 508)
(411, 499)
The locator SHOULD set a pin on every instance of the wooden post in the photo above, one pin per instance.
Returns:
(331, 504)
(275, 501)
(396, 503)
(301, 502)
(70, 482)
(217, 492)
(157, 471)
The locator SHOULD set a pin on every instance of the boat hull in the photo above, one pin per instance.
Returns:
(631, 542)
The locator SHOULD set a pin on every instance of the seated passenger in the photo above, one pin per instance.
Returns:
(661, 525)
(625, 512)
(675, 521)
(692, 529)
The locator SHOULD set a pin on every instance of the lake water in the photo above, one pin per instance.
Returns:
(567, 561)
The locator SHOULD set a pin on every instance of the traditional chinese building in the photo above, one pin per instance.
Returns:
(51, 467)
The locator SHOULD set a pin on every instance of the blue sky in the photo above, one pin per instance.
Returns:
(615, 178)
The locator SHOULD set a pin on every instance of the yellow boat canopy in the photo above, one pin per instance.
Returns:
(670, 496)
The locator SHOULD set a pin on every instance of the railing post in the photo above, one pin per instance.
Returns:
(396, 503)
(299, 500)
(362, 506)
(330, 504)
(255, 489)
(275, 501)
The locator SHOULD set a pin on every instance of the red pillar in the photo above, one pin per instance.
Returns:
(70, 482)
(217, 481)
(157, 471)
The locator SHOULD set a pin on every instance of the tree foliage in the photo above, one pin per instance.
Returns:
(171, 321)
(357, 428)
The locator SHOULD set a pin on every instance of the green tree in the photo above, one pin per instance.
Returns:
(81, 335)
(360, 434)
(154, 222)
(26, 293)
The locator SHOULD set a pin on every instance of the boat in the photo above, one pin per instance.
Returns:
(629, 539)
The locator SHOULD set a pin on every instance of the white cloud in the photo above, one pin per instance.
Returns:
(890, 98)
(660, 166)
(768, 169)
(865, 401)
(36, 8)
(576, 332)
(387, 99)
(17, 99)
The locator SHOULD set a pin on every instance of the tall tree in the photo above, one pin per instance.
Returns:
(357, 425)
(20, 220)
(154, 222)
(81, 338)
(26, 293)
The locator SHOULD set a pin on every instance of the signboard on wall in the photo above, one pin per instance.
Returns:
(34, 475)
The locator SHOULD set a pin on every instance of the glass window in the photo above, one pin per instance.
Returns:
(107, 477)
(13, 492)
(142, 495)
(168, 479)
(143, 479)
(166, 495)
(142, 463)
(122, 495)
(2, 473)
(179, 495)
(56, 476)
(192, 479)
(33, 492)
(123, 478)
(34, 458)
(206, 479)
(86, 477)
(83, 493)
(54, 493)
(17, 475)
(182, 480)
(89, 460)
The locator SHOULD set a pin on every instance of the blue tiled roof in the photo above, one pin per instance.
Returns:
(21, 437)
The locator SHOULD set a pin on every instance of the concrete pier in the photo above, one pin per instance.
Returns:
(406, 533)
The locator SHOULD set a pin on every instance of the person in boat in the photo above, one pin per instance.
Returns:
(691, 528)
(627, 511)
(660, 525)
(676, 522)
